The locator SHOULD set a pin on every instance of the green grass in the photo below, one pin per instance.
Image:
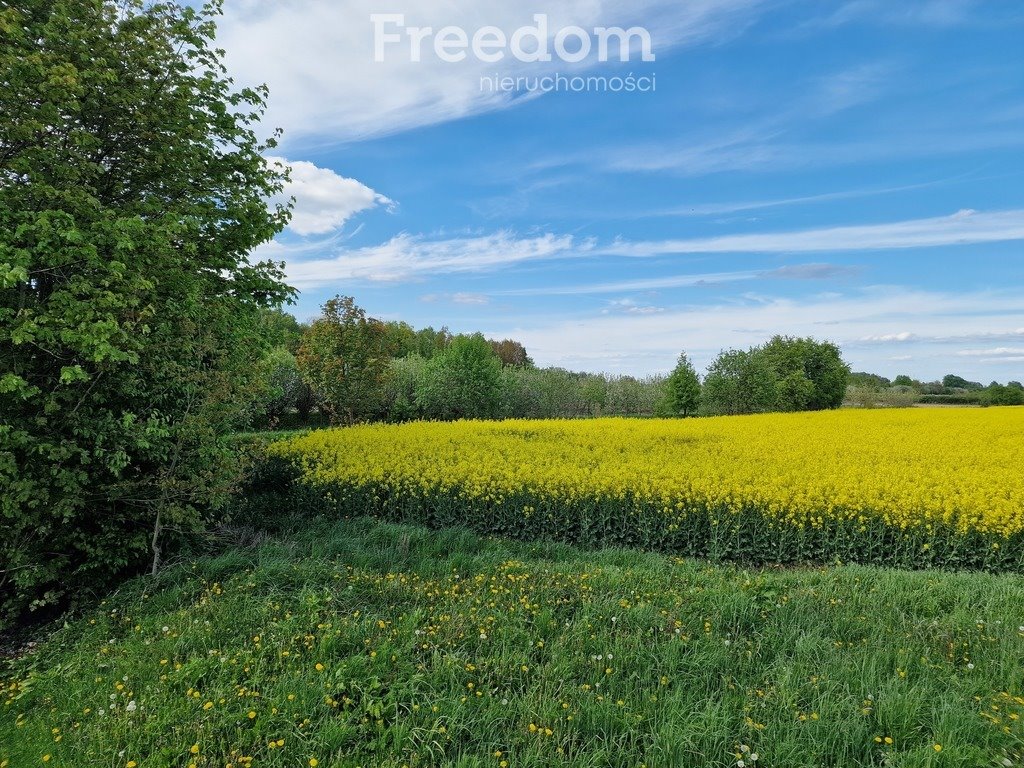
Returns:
(446, 649)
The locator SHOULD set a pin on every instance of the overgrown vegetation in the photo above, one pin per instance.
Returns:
(132, 188)
(868, 390)
(359, 643)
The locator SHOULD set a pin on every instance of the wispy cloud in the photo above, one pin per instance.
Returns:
(771, 149)
(475, 299)
(648, 284)
(326, 85)
(649, 343)
(413, 257)
(719, 209)
(410, 257)
(1017, 352)
(962, 228)
(632, 307)
(918, 13)
(812, 272)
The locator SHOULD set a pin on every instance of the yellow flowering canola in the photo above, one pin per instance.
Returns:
(952, 470)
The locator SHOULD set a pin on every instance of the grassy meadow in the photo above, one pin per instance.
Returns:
(362, 643)
(602, 593)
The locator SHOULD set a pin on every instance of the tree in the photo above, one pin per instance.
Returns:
(344, 358)
(282, 329)
(904, 381)
(404, 377)
(283, 390)
(952, 381)
(810, 374)
(132, 188)
(511, 353)
(430, 342)
(864, 380)
(739, 381)
(462, 381)
(683, 388)
(996, 394)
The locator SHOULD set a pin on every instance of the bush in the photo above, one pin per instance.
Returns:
(461, 382)
(134, 188)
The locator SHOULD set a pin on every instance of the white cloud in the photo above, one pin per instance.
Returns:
(649, 284)
(324, 201)
(889, 337)
(775, 145)
(474, 299)
(718, 209)
(317, 56)
(962, 228)
(409, 257)
(650, 343)
(632, 307)
(1012, 352)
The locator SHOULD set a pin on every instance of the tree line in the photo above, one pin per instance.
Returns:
(346, 367)
(868, 390)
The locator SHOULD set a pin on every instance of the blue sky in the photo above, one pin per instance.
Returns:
(851, 170)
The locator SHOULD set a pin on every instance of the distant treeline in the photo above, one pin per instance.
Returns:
(869, 390)
(346, 367)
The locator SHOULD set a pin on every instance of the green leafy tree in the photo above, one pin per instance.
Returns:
(462, 381)
(400, 339)
(344, 358)
(511, 353)
(283, 390)
(864, 380)
(952, 381)
(905, 381)
(430, 342)
(810, 374)
(132, 188)
(682, 388)
(404, 376)
(282, 329)
(739, 381)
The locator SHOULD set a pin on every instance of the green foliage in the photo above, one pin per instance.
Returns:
(344, 359)
(785, 374)
(132, 186)
(811, 374)
(461, 381)
(283, 390)
(511, 353)
(951, 381)
(282, 329)
(997, 394)
(682, 388)
(905, 381)
(404, 340)
(869, 380)
(627, 658)
(740, 382)
(888, 397)
(404, 377)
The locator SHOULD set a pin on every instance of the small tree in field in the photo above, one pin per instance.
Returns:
(739, 381)
(461, 382)
(344, 358)
(132, 188)
(682, 388)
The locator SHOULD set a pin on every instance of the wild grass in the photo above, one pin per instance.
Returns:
(360, 643)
